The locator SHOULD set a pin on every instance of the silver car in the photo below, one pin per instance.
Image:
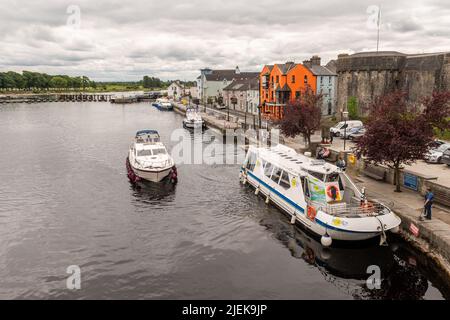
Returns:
(446, 157)
(435, 155)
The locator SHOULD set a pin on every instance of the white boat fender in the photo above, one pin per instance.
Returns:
(293, 218)
(257, 191)
(267, 199)
(326, 240)
(244, 181)
(395, 230)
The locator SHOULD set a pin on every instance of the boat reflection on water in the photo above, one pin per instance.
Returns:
(154, 193)
(349, 268)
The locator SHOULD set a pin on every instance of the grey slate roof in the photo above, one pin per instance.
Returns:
(285, 67)
(321, 71)
(244, 84)
(220, 75)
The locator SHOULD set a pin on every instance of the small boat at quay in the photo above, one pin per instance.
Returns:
(124, 99)
(317, 195)
(149, 160)
(193, 120)
(163, 104)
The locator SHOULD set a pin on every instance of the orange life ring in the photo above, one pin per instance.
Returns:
(330, 194)
(311, 213)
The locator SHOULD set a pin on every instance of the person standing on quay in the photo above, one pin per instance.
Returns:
(429, 197)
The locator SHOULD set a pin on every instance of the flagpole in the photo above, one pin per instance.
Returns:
(378, 25)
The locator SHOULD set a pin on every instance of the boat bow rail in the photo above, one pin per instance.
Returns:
(351, 210)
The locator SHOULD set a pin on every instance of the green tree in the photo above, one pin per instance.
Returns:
(58, 82)
(352, 107)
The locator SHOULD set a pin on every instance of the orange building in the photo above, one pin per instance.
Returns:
(281, 83)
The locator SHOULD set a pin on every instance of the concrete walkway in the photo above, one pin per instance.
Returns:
(408, 206)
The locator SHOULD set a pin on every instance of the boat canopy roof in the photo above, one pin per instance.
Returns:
(146, 132)
(287, 158)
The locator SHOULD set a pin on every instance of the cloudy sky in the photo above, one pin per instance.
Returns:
(124, 40)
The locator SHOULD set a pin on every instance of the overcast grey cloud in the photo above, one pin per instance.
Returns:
(120, 40)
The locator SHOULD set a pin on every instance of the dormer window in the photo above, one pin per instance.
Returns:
(293, 79)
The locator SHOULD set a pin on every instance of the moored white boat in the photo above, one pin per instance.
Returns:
(317, 195)
(193, 119)
(148, 158)
(163, 104)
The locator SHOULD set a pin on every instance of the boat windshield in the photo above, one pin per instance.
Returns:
(159, 151)
(332, 177)
(144, 153)
(317, 175)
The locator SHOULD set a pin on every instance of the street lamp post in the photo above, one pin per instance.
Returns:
(345, 114)
(259, 114)
(245, 115)
(233, 101)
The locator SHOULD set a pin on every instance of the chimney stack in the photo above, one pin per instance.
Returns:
(315, 60)
(307, 63)
(237, 71)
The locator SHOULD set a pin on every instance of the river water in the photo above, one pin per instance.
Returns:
(65, 200)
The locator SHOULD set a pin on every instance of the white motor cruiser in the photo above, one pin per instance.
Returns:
(193, 120)
(317, 195)
(148, 158)
(163, 104)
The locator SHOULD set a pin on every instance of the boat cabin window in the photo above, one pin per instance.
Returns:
(268, 169)
(284, 181)
(251, 162)
(276, 174)
(306, 187)
(341, 184)
(317, 175)
(159, 151)
(332, 177)
(144, 153)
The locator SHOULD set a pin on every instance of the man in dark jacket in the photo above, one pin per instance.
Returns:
(429, 197)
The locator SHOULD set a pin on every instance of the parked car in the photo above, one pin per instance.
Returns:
(435, 155)
(345, 134)
(355, 136)
(221, 106)
(446, 157)
(436, 144)
(342, 126)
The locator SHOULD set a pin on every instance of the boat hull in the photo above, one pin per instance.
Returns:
(193, 125)
(336, 227)
(152, 175)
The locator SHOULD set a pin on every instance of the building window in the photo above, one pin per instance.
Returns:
(306, 79)
(293, 79)
(297, 94)
(278, 79)
(272, 79)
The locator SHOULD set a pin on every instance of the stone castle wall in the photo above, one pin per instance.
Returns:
(368, 75)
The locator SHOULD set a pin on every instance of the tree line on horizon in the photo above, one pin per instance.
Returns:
(42, 81)
(37, 80)
(153, 82)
